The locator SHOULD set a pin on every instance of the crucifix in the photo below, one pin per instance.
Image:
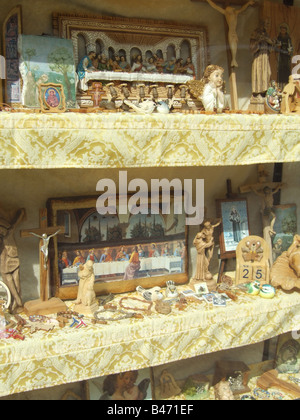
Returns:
(230, 20)
(45, 233)
(265, 190)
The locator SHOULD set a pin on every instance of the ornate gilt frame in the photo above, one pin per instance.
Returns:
(135, 31)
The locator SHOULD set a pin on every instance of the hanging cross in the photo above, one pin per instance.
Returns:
(45, 233)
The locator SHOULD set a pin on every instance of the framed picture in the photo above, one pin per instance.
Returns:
(52, 97)
(235, 224)
(44, 60)
(288, 353)
(130, 38)
(131, 386)
(285, 227)
(157, 242)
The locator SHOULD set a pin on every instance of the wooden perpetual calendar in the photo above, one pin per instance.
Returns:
(252, 260)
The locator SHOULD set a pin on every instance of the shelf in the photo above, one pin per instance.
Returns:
(68, 355)
(122, 140)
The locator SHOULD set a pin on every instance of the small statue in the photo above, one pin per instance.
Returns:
(210, 89)
(286, 269)
(204, 243)
(9, 259)
(231, 15)
(86, 302)
(290, 101)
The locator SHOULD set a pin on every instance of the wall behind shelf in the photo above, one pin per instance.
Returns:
(32, 188)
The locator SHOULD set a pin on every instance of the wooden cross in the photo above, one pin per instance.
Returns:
(44, 229)
(266, 191)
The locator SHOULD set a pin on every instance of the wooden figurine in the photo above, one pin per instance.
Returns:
(252, 261)
(231, 15)
(291, 97)
(204, 243)
(86, 302)
(44, 305)
(286, 269)
(266, 191)
(9, 259)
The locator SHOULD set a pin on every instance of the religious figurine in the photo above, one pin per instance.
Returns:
(85, 65)
(284, 48)
(44, 247)
(290, 97)
(9, 259)
(204, 243)
(273, 98)
(267, 211)
(86, 302)
(261, 45)
(231, 15)
(213, 92)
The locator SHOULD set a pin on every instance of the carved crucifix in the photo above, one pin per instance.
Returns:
(231, 14)
(266, 191)
(43, 306)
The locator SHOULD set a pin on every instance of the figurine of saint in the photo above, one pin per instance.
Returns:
(86, 294)
(284, 48)
(204, 244)
(231, 15)
(261, 46)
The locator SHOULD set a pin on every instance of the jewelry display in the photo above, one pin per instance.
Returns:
(261, 394)
(124, 315)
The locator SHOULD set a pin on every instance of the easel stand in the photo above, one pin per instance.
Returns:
(44, 305)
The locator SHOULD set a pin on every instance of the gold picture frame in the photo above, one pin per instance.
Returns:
(52, 97)
(91, 235)
(128, 36)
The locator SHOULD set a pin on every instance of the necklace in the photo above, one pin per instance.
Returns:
(146, 310)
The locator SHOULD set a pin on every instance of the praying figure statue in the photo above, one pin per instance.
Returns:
(231, 15)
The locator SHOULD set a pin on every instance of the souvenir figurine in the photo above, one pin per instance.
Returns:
(171, 291)
(204, 243)
(213, 92)
(267, 291)
(253, 288)
(86, 302)
(151, 295)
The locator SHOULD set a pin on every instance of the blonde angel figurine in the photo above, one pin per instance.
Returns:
(210, 89)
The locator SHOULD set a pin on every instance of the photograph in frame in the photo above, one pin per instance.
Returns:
(235, 224)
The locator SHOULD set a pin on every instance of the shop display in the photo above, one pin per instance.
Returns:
(124, 282)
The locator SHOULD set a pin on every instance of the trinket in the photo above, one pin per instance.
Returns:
(171, 291)
(267, 291)
(146, 310)
(151, 295)
(163, 307)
